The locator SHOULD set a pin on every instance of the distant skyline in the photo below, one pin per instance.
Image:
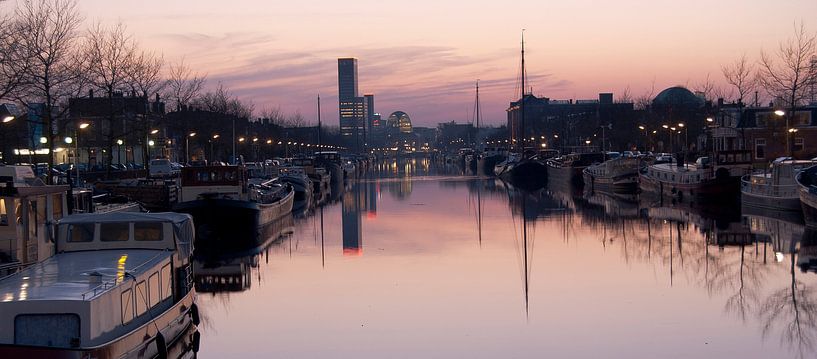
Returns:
(423, 57)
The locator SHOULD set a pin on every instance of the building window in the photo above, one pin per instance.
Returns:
(760, 148)
(798, 144)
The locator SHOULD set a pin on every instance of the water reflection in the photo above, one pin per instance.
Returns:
(472, 267)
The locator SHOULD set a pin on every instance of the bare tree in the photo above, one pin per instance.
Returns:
(145, 74)
(706, 88)
(787, 73)
(741, 76)
(296, 119)
(14, 60)
(54, 71)
(145, 78)
(626, 96)
(644, 101)
(274, 114)
(183, 85)
(112, 54)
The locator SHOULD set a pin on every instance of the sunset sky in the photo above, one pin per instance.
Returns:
(423, 56)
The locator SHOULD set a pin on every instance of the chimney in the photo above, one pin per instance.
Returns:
(91, 93)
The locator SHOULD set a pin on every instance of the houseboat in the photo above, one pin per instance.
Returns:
(775, 188)
(320, 177)
(616, 176)
(568, 169)
(119, 286)
(296, 177)
(229, 214)
(688, 182)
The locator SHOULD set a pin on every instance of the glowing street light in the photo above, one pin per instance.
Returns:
(84, 125)
(780, 113)
(68, 140)
(154, 131)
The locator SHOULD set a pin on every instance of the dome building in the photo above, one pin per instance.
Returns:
(398, 121)
(677, 97)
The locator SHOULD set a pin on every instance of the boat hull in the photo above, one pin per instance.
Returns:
(771, 202)
(625, 184)
(139, 343)
(526, 174)
(808, 200)
(705, 191)
(224, 225)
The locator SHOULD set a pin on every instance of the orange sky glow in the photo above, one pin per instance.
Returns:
(423, 57)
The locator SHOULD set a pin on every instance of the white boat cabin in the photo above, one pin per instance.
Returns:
(28, 209)
(112, 274)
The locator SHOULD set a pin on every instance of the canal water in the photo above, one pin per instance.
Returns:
(418, 261)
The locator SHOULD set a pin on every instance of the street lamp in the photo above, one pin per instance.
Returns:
(81, 126)
(686, 140)
(119, 143)
(781, 113)
(154, 131)
(187, 146)
(642, 128)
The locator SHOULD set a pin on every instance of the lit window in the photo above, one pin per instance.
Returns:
(127, 306)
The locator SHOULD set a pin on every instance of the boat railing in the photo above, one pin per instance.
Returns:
(767, 189)
(110, 283)
(8, 269)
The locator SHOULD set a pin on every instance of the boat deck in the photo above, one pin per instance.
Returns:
(78, 276)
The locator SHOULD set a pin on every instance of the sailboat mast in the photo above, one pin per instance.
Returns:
(319, 120)
(522, 99)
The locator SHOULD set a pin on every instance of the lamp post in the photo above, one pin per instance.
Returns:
(187, 146)
(686, 140)
(671, 130)
(213, 139)
(781, 113)
(81, 126)
(119, 144)
(642, 128)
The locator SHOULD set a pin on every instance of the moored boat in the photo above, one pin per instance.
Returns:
(619, 175)
(119, 286)
(690, 182)
(230, 215)
(567, 169)
(775, 188)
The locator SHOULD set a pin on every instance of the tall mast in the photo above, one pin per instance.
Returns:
(319, 120)
(522, 99)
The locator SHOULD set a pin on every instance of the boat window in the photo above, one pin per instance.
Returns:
(167, 284)
(153, 283)
(127, 306)
(147, 231)
(56, 204)
(114, 232)
(4, 216)
(82, 232)
(141, 298)
(48, 330)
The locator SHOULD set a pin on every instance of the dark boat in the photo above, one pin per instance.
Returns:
(692, 182)
(567, 169)
(616, 176)
(229, 215)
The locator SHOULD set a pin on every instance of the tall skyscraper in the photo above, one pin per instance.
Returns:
(347, 78)
(369, 99)
(351, 107)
